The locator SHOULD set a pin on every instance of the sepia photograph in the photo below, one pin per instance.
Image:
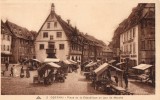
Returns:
(81, 47)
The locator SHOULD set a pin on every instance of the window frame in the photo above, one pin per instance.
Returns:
(40, 48)
(61, 47)
(59, 34)
(45, 34)
(48, 25)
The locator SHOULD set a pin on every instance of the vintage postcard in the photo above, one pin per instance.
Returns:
(80, 49)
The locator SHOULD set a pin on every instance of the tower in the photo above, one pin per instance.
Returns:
(52, 8)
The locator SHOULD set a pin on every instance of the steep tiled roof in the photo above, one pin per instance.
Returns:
(19, 31)
(4, 29)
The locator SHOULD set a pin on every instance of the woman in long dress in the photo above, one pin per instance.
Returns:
(27, 73)
(22, 72)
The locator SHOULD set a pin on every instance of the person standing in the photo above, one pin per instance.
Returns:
(27, 73)
(116, 80)
(125, 76)
(12, 71)
(6, 64)
(22, 72)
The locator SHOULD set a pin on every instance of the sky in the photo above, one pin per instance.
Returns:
(98, 18)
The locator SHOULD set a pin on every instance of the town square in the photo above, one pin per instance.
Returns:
(58, 54)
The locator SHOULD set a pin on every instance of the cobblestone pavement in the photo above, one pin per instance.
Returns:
(75, 84)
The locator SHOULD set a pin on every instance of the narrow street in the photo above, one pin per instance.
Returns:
(75, 84)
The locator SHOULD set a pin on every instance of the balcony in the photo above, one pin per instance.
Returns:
(50, 51)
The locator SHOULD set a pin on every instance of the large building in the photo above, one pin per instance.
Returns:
(22, 44)
(59, 39)
(6, 38)
(54, 39)
(136, 35)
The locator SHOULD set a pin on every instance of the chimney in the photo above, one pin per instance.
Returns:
(68, 21)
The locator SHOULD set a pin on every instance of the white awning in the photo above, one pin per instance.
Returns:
(142, 66)
(47, 60)
(54, 65)
(73, 62)
(36, 60)
(116, 68)
(67, 62)
(111, 61)
(120, 63)
(92, 64)
(101, 69)
(89, 64)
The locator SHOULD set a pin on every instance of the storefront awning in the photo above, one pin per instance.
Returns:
(120, 63)
(54, 65)
(142, 66)
(101, 69)
(36, 60)
(89, 64)
(67, 62)
(92, 64)
(47, 60)
(111, 61)
(116, 68)
(73, 62)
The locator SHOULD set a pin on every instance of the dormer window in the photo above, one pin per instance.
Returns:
(55, 24)
(48, 25)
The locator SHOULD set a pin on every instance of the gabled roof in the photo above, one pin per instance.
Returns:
(19, 31)
(4, 29)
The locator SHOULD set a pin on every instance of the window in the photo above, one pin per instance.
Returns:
(3, 36)
(61, 46)
(4, 48)
(51, 37)
(143, 45)
(45, 34)
(59, 34)
(133, 32)
(131, 48)
(8, 48)
(48, 25)
(8, 38)
(1, 47)
(151, 44)
(134, 48)
(51, 46)
(41, 46)
(55, 24)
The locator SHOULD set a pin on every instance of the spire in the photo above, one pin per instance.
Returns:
(52, 8)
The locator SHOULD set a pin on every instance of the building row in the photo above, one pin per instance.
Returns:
(59, 39)
(17, 43)
(134, 39)
(56, 38)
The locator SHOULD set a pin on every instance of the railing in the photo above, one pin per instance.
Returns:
(50, 50)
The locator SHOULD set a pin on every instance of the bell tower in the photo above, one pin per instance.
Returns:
(52, 8)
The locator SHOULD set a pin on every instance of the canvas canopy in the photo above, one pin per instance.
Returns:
(120, 63)
(73, 62)
(116, 68)
(142, 66)
(111, 61)
(47, 60)
(36, 60)
(67, 62)
(54, 65)
(101, 68)
(92, 64)
(89, 64)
